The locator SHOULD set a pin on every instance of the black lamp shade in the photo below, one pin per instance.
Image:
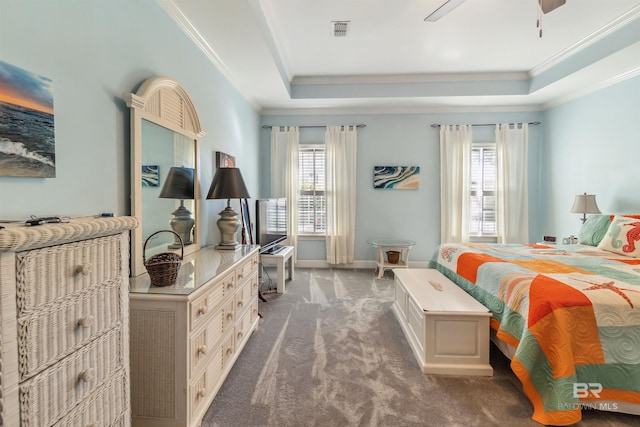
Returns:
(227, 183)
(178, 184)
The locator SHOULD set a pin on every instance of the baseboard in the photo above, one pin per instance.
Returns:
(364, 264)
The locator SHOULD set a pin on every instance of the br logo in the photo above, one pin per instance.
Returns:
(583, 390)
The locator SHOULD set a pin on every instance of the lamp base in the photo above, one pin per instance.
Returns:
(182, 224)
(228, 225)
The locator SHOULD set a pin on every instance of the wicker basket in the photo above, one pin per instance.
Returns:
(163, 267)
(393, 257)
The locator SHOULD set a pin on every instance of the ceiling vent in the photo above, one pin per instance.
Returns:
(339, 28)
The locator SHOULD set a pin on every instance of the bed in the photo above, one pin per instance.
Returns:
(568, 316)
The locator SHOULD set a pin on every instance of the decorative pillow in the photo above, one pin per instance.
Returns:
(623, 236)
(594, 229)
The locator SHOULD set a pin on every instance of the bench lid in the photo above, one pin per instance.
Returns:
(450, 299)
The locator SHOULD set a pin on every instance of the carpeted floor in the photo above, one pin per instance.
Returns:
(330, 352)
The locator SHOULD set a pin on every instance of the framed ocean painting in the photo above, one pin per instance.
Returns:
(27, 143)
(396, 177)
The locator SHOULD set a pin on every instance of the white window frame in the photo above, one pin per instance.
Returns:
(481, 237)
(316, 234)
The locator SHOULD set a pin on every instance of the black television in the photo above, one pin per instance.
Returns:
(271, 223)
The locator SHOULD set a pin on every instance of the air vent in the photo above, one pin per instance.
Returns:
(339, 28)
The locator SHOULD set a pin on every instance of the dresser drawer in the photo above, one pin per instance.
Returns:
(202, 390)
(243, 327)
(246, 269)
(46, 336)
(104, 408)
(58, 389)
(44, 275)
(228, 350)
(254, 285)
(202, 345)
(203, 306)
(243, 299)
(229, 315)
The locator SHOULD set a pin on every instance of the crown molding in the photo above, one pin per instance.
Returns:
(409, 78)
(190, 30)
(588, 40)
(446, 109)
(592, 88)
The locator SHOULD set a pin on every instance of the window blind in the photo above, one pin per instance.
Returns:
(311, 201)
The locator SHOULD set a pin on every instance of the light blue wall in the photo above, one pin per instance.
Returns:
(94, 51)
(406, 140)
(591, 144)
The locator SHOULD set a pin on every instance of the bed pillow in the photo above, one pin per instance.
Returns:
(622, 237)
(594, 229)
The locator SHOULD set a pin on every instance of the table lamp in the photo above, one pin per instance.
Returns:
(585, 204)
(179, 184)
(228, 184)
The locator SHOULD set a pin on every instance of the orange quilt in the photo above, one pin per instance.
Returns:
(571, 312)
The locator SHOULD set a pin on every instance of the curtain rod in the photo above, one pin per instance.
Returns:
(310, 126)
(437, 125)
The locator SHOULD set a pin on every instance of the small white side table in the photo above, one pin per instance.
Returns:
(383, 245)
(279, 260)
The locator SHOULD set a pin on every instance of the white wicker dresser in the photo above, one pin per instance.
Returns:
(64, 323)
(185, 338)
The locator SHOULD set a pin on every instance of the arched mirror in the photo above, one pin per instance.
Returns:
(165, 194)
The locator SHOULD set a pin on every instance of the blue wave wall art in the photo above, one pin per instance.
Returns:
(396, 177)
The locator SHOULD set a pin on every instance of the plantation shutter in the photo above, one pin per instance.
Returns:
(483, 221)
(311, 201)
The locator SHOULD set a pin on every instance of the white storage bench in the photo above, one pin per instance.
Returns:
(447, 329)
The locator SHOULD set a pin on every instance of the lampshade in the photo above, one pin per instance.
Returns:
(178, 184)
(584, 204)
(227, 183)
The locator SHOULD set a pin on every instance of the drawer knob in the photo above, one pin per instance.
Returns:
(201, 392)
(201, 310)
(230, 285)
(229, 350)
(240, 304)
(84, 269)
(87, 375)
(240, 335)
(240, 275)
(86, 322)
(229, 316)
(202, 349)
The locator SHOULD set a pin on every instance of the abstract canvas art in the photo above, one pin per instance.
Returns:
(150, 175)
(396, 177)
(27, 144)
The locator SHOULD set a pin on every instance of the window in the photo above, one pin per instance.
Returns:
(311, 201)
(482, 206)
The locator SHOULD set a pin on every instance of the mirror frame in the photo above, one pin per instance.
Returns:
(163, 101)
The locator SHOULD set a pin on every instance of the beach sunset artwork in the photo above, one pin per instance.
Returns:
(27, 143)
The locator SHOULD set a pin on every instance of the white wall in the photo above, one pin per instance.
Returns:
(591, 144)
(401, 140)
(94, 51)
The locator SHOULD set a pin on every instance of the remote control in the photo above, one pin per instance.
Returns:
(43, 220)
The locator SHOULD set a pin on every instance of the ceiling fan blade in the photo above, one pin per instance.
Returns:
(443, 9)
(549, 5)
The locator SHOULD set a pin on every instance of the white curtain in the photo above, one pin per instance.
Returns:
(285, 145)
(511, 148)
(340, 152)
(455, 175)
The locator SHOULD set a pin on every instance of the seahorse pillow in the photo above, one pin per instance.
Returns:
(623, 236)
